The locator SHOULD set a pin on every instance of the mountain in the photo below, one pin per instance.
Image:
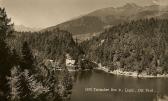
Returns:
(103, 18)
(125, 10)
(134, 46)
(22, 28)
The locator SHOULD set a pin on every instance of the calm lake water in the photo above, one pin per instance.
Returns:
(128, 88)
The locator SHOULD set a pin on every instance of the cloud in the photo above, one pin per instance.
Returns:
(160, 2)
(155, 1)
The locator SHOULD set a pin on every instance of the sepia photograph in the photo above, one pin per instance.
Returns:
(83, 50)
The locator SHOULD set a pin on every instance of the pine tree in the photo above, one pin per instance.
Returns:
(5, 30)
(52, 84)
(15, 58)
(67, 82)
(14, 83)
(25, 90)
(27, 61)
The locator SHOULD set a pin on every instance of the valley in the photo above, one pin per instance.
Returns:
(116, 47)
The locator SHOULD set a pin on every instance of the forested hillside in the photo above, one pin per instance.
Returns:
(140, 45)
(49, 44)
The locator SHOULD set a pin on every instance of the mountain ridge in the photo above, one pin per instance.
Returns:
(23, 28)
(97, 20)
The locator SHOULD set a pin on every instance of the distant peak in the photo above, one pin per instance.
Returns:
(130, 5)
(25, 28)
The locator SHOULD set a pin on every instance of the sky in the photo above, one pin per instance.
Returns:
(46, 13)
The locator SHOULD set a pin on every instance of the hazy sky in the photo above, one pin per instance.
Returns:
(44, 13)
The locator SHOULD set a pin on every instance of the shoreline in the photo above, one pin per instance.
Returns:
(119, 72)
(130, 74)
(72, 70)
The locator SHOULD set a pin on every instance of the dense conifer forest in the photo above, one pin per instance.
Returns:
(49, 44)
(140, 45)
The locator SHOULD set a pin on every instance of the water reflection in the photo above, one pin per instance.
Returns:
(161, 98)
(99, 79)
(81, 75)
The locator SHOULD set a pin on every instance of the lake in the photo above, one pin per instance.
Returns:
(97, 85)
